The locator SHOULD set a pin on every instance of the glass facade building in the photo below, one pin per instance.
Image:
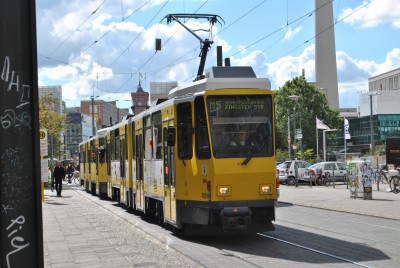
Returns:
(384, 125)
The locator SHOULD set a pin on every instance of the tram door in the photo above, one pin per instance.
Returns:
(169, 177)
(139, 173)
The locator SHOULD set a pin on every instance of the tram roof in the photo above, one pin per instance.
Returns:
(239, 77)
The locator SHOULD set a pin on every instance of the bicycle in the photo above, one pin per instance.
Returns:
(75, 178)
(323, 179)
(396, 182)
(392, 180)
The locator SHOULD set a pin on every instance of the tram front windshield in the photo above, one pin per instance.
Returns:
(241, 125)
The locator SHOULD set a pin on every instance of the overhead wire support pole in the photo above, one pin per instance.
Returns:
(206, 43)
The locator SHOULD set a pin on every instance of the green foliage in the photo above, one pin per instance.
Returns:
(281, 155)
(311, 103)
(52, 121)
(306, 155)
(380, 149)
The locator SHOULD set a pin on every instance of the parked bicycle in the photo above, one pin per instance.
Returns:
(392, 178)
(323, 179)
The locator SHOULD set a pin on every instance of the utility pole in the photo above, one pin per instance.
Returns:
(371, 122)
(21, 227)
(92, 108)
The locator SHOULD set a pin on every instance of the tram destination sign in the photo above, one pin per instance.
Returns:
(237, 103)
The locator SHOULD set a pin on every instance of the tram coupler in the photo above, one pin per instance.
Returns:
(235, 218)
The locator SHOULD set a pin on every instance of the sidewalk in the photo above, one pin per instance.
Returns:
(383, 204)
(78, 232)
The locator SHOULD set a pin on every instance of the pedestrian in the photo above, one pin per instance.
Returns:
(70, 172)
(58, 176)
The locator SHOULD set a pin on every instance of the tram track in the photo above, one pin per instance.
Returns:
(349, 221)
(315, 250)
(344, 234)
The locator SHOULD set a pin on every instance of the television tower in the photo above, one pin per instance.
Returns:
(325, 52)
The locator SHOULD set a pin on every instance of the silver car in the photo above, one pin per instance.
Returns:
(336, 170)
(287, 171)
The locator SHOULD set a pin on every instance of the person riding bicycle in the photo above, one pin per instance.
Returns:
(70, 172)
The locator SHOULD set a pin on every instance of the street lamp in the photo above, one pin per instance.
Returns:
(294, 98)
(93, 131)
(288, 135)
(323, 140)
(371, 122)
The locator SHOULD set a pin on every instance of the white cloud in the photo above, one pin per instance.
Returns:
(114, 62)
(373, 14)
(288, 67)
(353, 74)
(290, 34)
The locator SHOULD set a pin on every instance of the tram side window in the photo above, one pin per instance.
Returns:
(148, 138)
(93, 151)
(112, 145)
(157, 135)
(102, 151)
(108, 157)
(82, 154)
(117, 149)
(133, 140)
(201, 133)
(185, 131)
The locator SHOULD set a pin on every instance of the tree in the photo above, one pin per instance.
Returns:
(311, 103)
(52, 121)
(281, 155)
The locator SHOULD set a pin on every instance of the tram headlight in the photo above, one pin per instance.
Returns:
(224, 190)
(265, 189)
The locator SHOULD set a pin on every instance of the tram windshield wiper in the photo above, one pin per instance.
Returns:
(256, 143)
(252, 152)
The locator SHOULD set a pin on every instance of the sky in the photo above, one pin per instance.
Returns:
(104, 48)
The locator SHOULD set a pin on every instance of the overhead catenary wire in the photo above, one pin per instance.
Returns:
(151, 57)
(180, 59)
(324, 30)
(76, 29)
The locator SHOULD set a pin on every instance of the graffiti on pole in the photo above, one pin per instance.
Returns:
(21, 234)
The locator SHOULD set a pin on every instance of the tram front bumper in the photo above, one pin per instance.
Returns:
(235, 218)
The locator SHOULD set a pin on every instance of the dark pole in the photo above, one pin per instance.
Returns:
(65, 151)
(294, 131)
(21, 227)
(93, 131)
(371, 122)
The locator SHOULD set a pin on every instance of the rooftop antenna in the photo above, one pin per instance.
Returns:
(206, 43)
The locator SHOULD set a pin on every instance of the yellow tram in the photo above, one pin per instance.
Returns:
(204, 157)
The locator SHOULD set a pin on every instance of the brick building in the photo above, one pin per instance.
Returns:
(105, 112)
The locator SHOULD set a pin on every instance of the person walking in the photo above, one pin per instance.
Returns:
(70, 172)
(58, 176)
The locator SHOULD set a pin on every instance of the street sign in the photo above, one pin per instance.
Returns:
(44, 151)
(299, 135)
(44, 170)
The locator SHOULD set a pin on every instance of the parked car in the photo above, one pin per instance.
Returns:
(278, 169)
(287, 171)
(336, 170)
